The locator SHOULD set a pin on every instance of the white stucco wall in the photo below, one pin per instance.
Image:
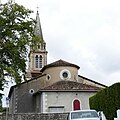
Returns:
(57, 99)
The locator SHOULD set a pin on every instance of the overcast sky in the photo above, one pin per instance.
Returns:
(83, 32)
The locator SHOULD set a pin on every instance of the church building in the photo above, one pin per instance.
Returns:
(56, 87)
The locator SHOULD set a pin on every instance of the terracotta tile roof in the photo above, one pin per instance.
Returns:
(71, 86)
(36, 71)
(59, 63)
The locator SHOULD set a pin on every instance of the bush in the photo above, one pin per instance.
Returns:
(107, 100)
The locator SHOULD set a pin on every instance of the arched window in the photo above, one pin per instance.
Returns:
(76, 104)
(40, 61)
(36, 61)
(44, 46)
(38, 46)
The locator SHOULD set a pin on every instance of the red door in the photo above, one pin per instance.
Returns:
(76, 105)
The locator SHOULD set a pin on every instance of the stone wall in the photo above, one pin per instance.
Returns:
(30, 116)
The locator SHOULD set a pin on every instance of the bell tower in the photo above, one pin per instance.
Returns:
(38, 53)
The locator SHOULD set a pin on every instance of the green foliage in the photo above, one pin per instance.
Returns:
(16, 34)
(107, 100)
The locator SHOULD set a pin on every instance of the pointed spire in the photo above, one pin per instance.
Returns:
(38, 52)
(38, 29)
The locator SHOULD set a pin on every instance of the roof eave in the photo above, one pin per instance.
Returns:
(92, 81)
(66, 91)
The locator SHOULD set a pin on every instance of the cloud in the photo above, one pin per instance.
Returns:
(84, 32)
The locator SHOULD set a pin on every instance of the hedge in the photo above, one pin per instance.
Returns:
(107, 100)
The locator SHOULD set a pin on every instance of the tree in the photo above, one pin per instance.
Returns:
(16, 34)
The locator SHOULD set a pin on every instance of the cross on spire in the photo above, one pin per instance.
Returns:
(37, 8)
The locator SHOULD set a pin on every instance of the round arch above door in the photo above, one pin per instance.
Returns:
(76, 105)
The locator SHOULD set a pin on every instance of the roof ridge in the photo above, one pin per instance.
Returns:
(59, 62)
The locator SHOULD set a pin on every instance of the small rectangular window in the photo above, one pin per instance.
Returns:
(56, 109)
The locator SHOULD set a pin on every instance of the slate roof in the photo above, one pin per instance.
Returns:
(70, 86)
(85, 78)
(38, 29)
(59, 63)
